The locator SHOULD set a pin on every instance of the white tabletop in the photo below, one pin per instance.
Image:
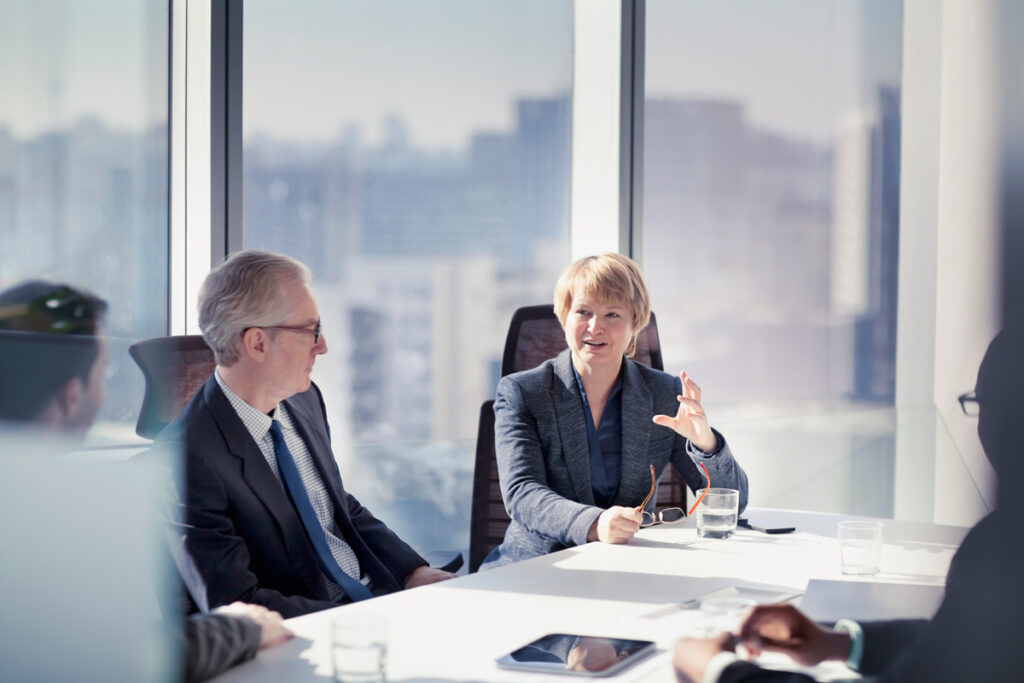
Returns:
(453, 631)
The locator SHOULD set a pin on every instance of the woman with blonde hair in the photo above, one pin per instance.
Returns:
(574, 437)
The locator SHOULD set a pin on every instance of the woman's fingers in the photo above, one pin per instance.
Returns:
(665, 421)
(690, 388)
(618, 524)
(691, 406)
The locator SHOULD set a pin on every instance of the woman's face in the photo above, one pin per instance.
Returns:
(597, 332)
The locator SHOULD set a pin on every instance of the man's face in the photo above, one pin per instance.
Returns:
(292, 353)
(91, 397)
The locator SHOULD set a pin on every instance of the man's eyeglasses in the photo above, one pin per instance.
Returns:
(669, 515)
(969, 403)
(315, 331)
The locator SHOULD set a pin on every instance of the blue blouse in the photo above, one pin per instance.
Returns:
(605, 443)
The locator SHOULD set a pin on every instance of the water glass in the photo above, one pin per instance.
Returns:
(860, 547)
(724, 613)
(717, 513)
(359, 646)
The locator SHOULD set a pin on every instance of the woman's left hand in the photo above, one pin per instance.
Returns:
(690, 421)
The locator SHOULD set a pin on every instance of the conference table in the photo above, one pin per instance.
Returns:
(649, 588)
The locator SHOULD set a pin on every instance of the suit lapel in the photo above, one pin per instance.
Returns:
(305, 422)
(572, 427)
(261, 480)
(637, 411)
(319, 448)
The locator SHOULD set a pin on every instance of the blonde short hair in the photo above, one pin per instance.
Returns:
(609, 278)
(245, 291)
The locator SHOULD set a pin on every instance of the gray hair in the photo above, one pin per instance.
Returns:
(245, 291)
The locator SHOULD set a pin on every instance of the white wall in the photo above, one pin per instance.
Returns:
(596, 126)
(949, 255)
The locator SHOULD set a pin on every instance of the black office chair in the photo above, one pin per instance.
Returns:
(534, 336)
(176, 368)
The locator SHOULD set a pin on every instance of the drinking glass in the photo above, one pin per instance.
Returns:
(359, 646)
(717, 513)
(724, 613)
(860, 547)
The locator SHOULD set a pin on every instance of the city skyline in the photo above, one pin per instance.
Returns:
(417, 157)
(375, 62)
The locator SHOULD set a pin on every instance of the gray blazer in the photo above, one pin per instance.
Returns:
(544, 459)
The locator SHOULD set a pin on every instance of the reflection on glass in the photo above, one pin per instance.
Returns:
(568, 652)
(770, 209)
(416, 157)
(83, 166)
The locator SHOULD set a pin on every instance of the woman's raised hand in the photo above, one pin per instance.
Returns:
(690, 420)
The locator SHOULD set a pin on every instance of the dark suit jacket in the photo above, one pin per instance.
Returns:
(974, 635)
(241, 528)
(216, 642)
(544, 459)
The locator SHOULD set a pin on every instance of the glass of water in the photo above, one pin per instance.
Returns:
(860, 547)
(717, 512)
(359, 648)
(724, 613)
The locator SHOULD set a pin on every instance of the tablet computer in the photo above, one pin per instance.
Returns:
(576, 655)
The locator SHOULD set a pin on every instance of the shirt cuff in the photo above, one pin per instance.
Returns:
(716, 665)
(856, 633)
(694, 451)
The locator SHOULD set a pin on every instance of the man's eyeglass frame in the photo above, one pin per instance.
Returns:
(969, 403)
(315, 331)
(669, 515)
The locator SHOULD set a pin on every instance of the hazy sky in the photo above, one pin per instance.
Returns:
(447, 67)
(798, 64)
(64, 59)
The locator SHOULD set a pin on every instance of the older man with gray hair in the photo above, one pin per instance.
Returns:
(269, 519)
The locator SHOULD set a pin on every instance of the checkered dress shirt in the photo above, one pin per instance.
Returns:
(258, 424)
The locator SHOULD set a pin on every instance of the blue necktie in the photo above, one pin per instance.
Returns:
(297, 491)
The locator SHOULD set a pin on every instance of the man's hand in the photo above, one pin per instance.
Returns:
(616, 525)
(422, 576)
(784, 628)
(693, 654)
(690, 420)
(273, 631)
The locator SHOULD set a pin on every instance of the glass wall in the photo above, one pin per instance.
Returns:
(83, 166)
(416, 157)
(770, 232)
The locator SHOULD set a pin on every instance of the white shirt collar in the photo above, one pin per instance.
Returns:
(255, 420)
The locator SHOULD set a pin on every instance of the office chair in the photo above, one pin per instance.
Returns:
(175, 368)
(534, 336)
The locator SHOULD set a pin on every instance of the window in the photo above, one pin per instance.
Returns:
(416, 157)
(770, 230)
(83, 167)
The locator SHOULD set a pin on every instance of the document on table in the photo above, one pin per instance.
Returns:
(761, 594)
(829, 601)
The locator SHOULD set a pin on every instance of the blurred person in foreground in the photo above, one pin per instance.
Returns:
(976, 632)
(268, 518)
(51, 379)
(574, 437)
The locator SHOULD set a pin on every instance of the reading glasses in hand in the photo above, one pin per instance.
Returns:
(669, 515)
